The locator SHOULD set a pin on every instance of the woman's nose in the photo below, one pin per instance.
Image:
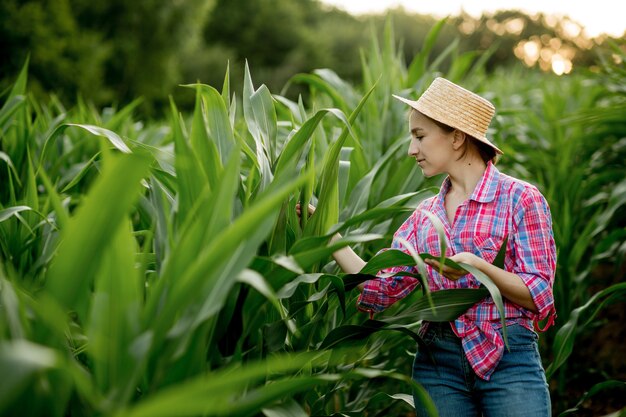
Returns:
(413, 148)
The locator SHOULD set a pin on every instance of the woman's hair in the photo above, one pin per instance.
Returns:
(486, 152)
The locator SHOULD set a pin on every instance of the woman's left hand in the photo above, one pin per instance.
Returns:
(454, 273)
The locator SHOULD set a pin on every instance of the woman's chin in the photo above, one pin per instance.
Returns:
(426, 173)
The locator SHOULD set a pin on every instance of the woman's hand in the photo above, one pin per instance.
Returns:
(310, 209)
(454, 273)
(511, 285)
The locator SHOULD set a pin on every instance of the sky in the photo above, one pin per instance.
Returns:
(596, 16)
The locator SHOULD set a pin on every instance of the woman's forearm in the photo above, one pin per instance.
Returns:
(510, 285)
(346, 258)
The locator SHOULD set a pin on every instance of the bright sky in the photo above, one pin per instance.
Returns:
(596, 16)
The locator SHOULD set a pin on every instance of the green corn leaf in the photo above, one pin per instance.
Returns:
(290, 288)
(265, 114)
(83, 171)
(418, 390)
(306, 193)
(343, 88)
(461, 64)
(62, 217)
(327, 211)
(418, 65)
(351, 333)
(6, 158)
(11, 314)
(211, 274)
(359, 195)
(307, 257)
(202, 146)
(249, 405)
(214, 211)
(263, 155)
(289, 408)
(450, 304)
(421, 267)
(121, 117)
(189, 173)
(19, 87)
(9, 212)
(217, 122)
(294, 111)
(226, 86)
(448, 52)
(446, 261)
(320, 84)
(111, 136)
(387, 259)
(595, 389)
(88, 232)
(293, 149)
(580, 317)
(499, 259)
(114, 318)
(10, 107)
(226, 388)
(351, 281)
(258, 282)
(384, 210)
(21, 362)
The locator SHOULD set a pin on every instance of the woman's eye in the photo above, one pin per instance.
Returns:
(419, 138)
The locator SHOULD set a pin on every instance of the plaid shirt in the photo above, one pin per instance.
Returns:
(499, 206)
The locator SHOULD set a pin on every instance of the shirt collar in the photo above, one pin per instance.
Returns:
(486, 188)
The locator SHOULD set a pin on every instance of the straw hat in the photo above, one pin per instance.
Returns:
(456, 107)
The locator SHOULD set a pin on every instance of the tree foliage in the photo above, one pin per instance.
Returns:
(64, 57)
(113, 52)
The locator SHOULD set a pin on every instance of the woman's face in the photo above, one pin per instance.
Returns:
(431, 146)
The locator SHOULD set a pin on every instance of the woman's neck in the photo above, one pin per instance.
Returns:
(465, 175)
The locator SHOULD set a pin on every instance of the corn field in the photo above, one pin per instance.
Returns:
(160, 269)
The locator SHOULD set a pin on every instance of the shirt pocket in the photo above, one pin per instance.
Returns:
(487, 247)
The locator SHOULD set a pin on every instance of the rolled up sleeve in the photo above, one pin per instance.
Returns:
(380, 293)
(535, 251)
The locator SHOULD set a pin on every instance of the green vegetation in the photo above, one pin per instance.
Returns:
(115, 52)
(159, 269)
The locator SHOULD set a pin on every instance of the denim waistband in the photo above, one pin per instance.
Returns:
(442, 329)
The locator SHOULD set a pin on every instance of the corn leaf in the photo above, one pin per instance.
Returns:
(327, 211)
(222, 392)
(88, 232)
(580, 318)
(114, 318)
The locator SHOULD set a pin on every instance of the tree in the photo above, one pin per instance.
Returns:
(64, 57)
(106, 51)
(148, 38)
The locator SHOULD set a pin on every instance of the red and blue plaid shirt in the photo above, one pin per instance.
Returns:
(500, 206)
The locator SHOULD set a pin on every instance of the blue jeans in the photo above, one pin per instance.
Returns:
(517, 387)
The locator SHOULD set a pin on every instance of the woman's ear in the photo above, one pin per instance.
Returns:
(458, 139)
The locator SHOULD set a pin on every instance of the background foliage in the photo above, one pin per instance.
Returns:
(115, 52)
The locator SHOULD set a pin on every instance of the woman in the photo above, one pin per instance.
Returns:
(473, 373)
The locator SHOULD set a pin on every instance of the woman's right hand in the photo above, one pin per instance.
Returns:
(345, 257)
(311, 210)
